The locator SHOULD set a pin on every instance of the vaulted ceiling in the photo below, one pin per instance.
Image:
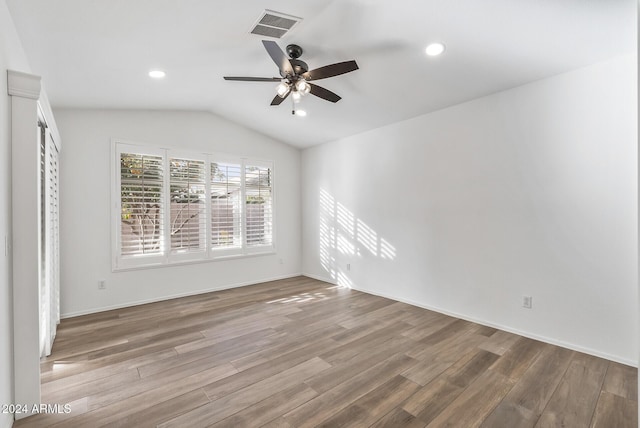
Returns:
(97, 53)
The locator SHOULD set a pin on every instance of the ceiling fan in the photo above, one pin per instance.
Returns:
(295, 75)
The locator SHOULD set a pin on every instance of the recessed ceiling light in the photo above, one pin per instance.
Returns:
(157, 74)
(301, 113)
(435, 49)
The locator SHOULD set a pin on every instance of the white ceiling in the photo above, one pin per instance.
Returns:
(97, 53)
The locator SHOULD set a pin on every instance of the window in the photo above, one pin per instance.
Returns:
(258, 205)
(226, 210)
(173, 207)
(142, 207)
(187, 206)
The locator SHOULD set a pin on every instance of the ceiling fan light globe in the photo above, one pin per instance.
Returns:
(296, 96)
(282, 89)
(303, 87)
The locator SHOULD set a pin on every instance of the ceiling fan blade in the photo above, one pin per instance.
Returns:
(254, 79)
(278, 99)
(278, 57)
(325, 94)
(331, 70)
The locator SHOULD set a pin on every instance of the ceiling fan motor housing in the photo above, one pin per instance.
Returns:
(299, 67)
(294, 51)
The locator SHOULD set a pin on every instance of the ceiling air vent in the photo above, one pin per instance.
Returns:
(274, 24)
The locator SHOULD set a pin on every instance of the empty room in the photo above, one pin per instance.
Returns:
(332, 213)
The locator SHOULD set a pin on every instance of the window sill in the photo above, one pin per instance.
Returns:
(229, 257)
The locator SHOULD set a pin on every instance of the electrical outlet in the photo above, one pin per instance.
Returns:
(281, 261)
(102, 284)
(348, 266)
(527, 302)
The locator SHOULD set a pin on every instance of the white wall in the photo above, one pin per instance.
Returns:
(531, 191)
(85, 208)
(11, 57)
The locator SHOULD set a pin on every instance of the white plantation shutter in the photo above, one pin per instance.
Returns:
(187, 206)
(258, 205)
(176, 206)
(44, 283)
(49, 241)
(53, 262)
(142, 204)
(226, 207)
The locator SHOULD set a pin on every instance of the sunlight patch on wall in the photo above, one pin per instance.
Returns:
(327, 233)
(327, 260)
(345, 245)
(345, 220)
(387, 251)
(343, 280)
(343, 236)
(367, 237)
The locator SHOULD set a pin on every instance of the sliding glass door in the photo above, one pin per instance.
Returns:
(49, 287)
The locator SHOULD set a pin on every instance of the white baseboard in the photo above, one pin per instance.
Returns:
(319, 278)
(174, 296)
(6, 420)
(540, 338)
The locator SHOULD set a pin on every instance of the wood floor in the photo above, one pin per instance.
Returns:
(300, 352)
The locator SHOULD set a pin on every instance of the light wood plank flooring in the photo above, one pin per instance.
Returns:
(301, 353)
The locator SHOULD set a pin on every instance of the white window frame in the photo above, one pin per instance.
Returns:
(166, 258)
